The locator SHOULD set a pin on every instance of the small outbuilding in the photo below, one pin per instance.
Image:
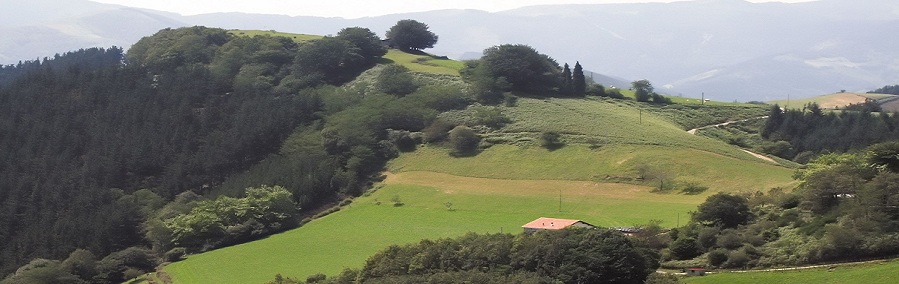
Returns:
(695, 271)
(544, 223)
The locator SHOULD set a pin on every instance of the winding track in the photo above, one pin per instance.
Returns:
(757, 155)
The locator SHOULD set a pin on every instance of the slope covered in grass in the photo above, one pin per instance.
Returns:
(505, 186)
(614, 163)
(878, 272)
(423, 62)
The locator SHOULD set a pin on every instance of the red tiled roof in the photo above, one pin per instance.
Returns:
(544, 223)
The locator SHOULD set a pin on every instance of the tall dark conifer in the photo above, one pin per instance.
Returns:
(578, 81)
(566, 89)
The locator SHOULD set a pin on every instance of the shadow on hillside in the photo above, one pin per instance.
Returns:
(422, 53)
(467, 154)
(555, 146)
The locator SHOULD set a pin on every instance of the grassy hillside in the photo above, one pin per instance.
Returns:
(423, 62)
(295, 37)
(505, 186)
(880, 272)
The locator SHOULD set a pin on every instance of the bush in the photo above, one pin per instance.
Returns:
(437, 131)
(492, 117)
(550, 140)
(402, 139)
(737, 259)
(718, 257)
(464, 140)
(685, 248)
(693, 188)
(396, 80)
(175, 254)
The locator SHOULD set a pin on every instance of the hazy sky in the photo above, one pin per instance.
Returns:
(350, 8)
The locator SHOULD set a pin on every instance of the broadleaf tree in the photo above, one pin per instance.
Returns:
(411, 35)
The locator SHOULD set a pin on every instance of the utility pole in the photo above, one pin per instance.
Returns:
(702, 101)
(560, 200)
(641, 116)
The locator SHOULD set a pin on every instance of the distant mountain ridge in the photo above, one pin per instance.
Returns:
(727, 49)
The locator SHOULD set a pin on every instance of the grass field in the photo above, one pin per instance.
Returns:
(295, 37)
(830, 101)
(603, 121)
(346, 238)
(608, 163)
(423, 62)
(881, 272)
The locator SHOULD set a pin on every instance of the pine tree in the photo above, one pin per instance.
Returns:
(578, 81)
(566, 89)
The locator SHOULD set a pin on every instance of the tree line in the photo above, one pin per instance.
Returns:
(562, 256)
(800, 134)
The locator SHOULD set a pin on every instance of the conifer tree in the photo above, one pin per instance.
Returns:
(578, 81)
(566, 88)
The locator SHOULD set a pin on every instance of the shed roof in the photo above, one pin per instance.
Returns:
(544, 223)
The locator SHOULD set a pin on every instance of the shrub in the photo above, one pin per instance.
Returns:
(437, 131)
(175, 254)
(737, 259)
(684, 248)
(718, 257)
(492, 117)
(550, 140)
(402, 139)
(464, 140)
(693, 188)
(396, 80)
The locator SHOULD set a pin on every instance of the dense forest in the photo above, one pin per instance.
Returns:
(799, 134)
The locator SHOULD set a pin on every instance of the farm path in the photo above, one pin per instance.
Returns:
(693, 131)
(757, 155)
(829, 266)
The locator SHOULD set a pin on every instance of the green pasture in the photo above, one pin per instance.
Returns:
(423, 62)
(603, 122)
(295, 37)
(879, 272)
(435, 206)
(829, 101)
(612, 163)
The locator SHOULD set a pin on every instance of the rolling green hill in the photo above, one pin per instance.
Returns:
(506, 185)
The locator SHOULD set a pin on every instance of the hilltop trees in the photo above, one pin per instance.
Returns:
(368, 43)
(519, 67)
(411, 35)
